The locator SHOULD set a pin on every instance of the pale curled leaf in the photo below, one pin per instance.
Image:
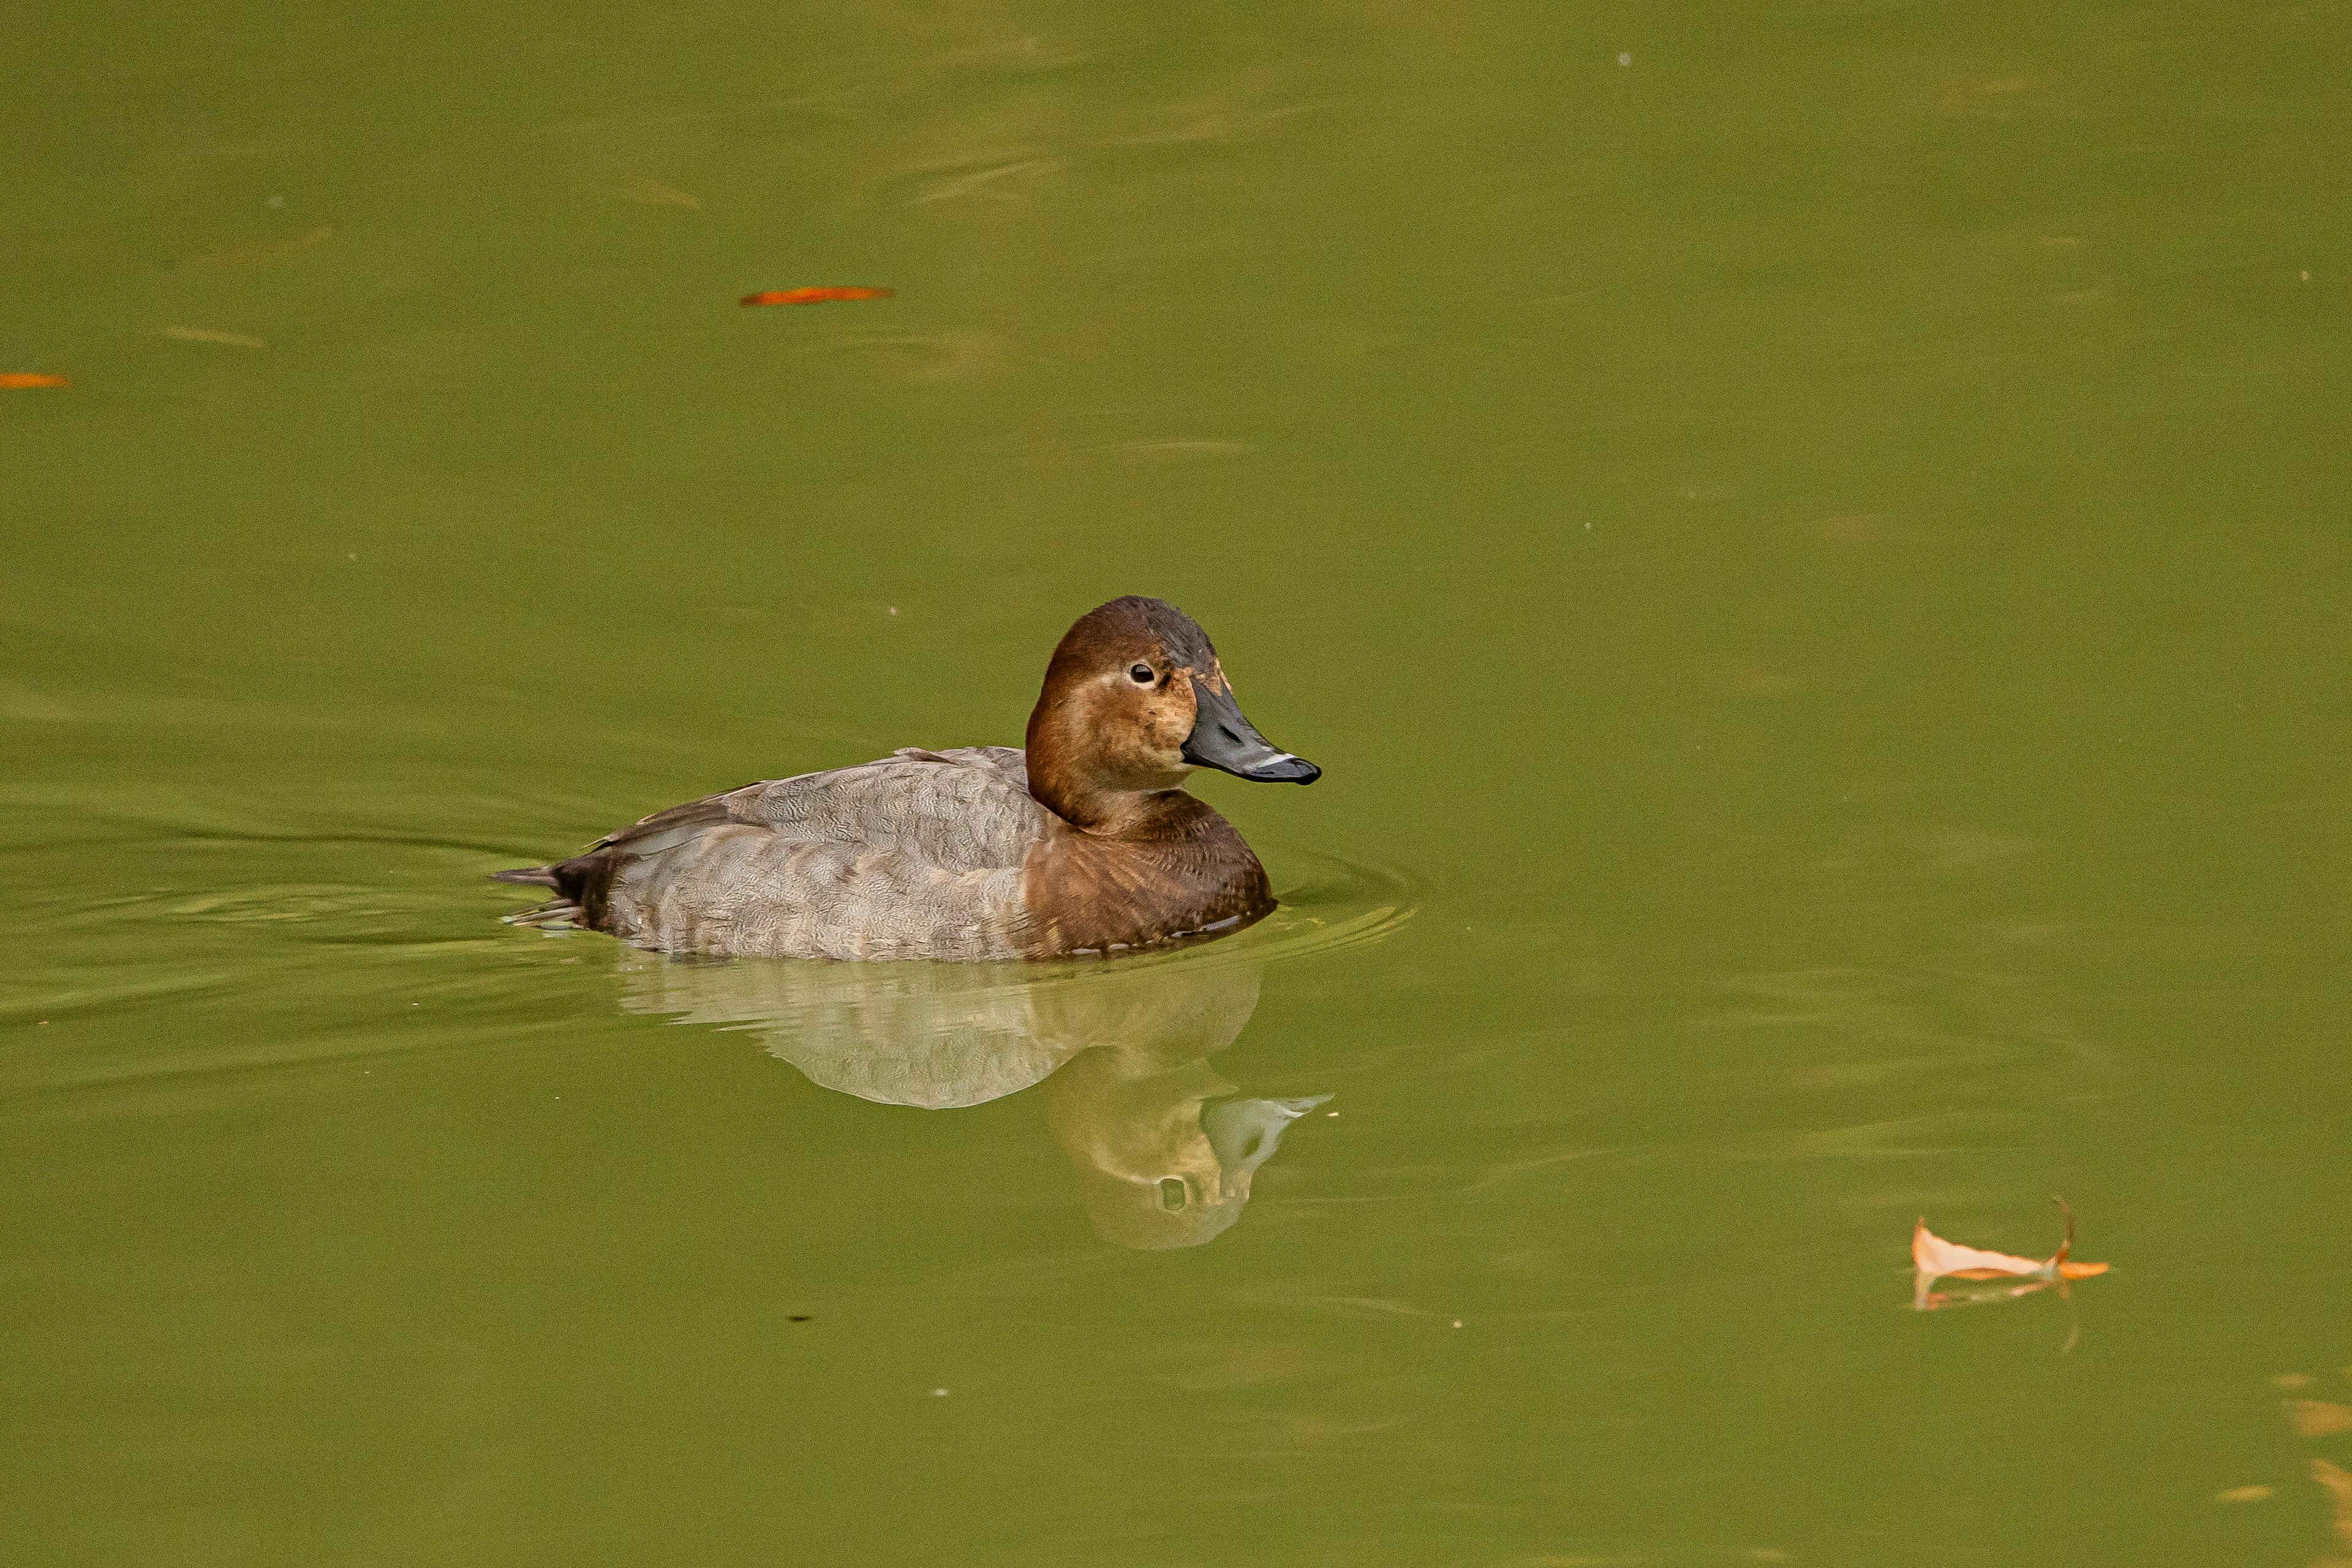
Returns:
(1936, 1258)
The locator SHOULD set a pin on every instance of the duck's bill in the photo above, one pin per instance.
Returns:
(1222, 738)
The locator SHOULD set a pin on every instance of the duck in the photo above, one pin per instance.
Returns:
(1081, 842)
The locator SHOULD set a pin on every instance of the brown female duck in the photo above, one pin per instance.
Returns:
(1085, 843)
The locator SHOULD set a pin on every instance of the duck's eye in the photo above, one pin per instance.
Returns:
(1141, 674)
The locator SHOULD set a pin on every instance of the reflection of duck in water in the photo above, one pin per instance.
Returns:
(1164, 1148)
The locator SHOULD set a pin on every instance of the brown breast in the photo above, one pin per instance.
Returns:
(1182, 871)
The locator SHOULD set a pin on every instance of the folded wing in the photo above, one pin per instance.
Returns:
(916, 856)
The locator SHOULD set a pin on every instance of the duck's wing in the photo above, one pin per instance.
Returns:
(962, 810)
(917, 855)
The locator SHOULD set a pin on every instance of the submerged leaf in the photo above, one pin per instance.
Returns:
(2318, 1417)
(207, 335)
(2338, 1482)
(654, 194)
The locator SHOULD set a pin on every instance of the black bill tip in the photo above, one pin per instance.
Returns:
(1222, 738)
(1285, 769)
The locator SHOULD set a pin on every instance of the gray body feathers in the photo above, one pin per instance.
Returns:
(919, 855)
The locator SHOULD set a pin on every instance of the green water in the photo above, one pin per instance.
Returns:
(1810, 542)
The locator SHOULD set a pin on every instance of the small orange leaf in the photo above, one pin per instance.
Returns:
(26, 378)
(813, 295)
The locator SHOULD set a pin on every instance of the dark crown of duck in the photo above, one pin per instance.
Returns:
(1133, 701)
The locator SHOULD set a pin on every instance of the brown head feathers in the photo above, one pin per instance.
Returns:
(1108, 733)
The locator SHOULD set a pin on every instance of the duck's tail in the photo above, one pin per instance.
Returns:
(556, 914)
(579, 900)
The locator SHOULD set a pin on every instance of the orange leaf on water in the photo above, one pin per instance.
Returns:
(813, 296)
(24, 378)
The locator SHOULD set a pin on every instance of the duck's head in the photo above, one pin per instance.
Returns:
(1134, 700)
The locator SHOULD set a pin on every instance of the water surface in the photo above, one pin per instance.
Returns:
(1810, 543)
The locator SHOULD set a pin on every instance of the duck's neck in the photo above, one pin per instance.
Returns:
(1083, 798)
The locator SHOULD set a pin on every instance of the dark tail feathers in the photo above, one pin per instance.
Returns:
(528, 875)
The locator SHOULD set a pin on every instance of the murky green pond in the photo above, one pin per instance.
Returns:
(1810, 542)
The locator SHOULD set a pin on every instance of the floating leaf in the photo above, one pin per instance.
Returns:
(813, 295)
(1934, 1259)
(19, 379)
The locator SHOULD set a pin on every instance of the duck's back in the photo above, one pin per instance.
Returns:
(917, 856)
